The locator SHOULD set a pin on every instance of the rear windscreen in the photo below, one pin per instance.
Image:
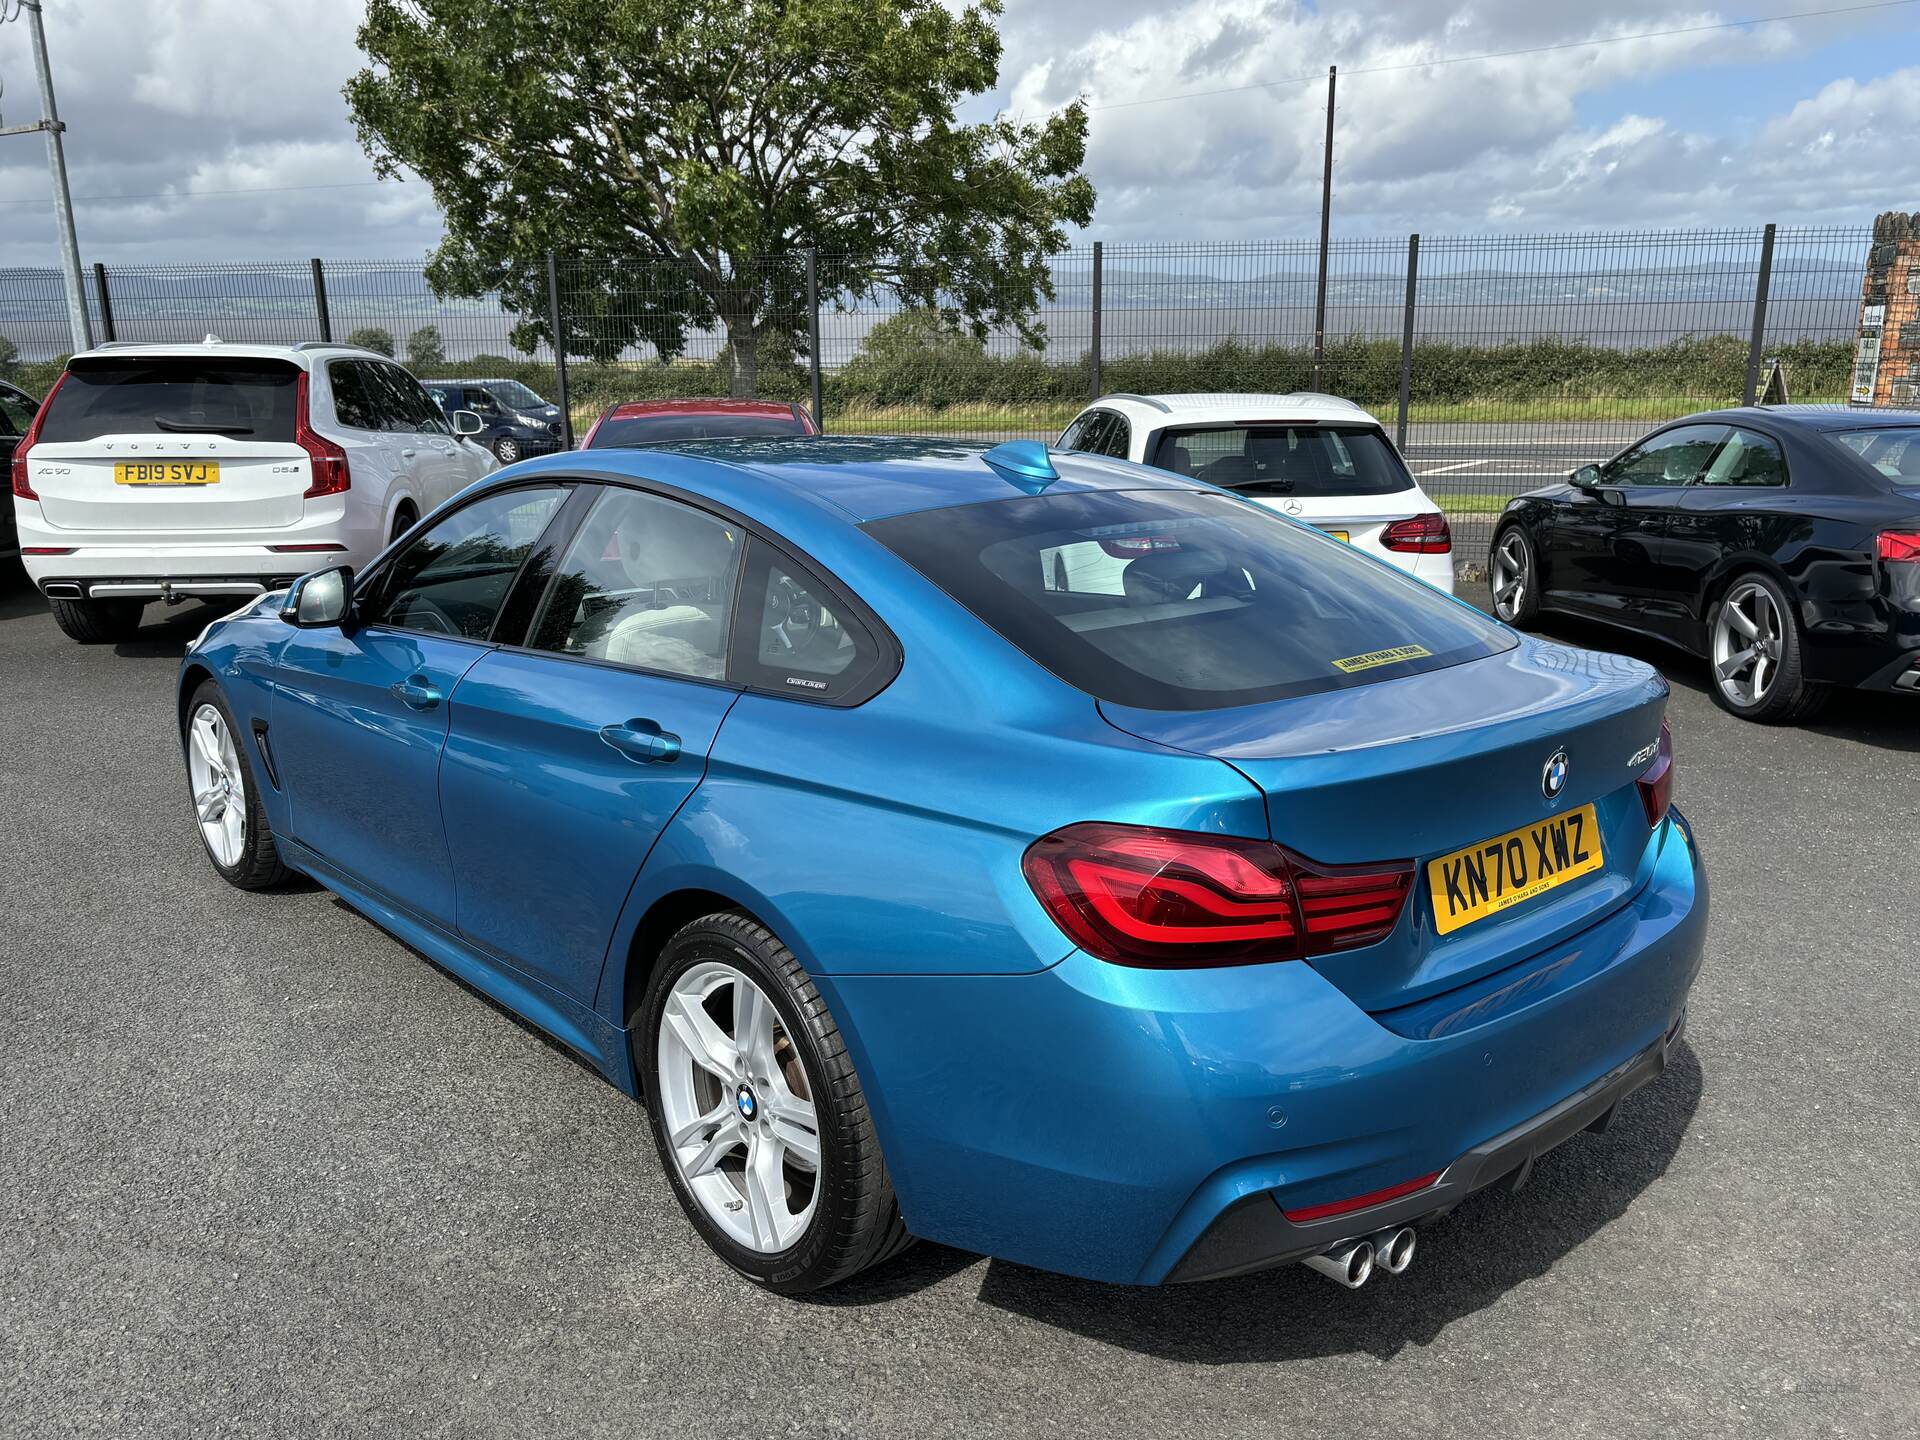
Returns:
(1185, 600)
(1302, 460)
(658, 429)
(251, 399)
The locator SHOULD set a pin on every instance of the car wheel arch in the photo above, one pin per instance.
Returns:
(1731, 569)
(662, 920)
(191, 679)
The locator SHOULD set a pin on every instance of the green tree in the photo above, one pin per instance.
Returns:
(685, 152)
(425, 348)
(9, 357)
(372, 337)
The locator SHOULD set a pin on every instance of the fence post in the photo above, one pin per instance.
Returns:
(320, 301)
(106, 302)
(1093, 339)
(1326, 218)
(1406, 342)
(1759, 317)
(813, 331)
(559, 350)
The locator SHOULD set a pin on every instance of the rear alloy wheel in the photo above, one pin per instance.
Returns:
(506, 450)
(1512, 577)
(1756, 655)
(233, 826)
(403, 520)
(98, 622)
(759, 1119)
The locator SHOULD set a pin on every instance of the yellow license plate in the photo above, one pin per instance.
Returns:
(1496, 874)
(166, 472)
(1338, 535)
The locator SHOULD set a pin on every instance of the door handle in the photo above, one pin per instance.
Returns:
(415, 692)
(642, 741)
(407, 454)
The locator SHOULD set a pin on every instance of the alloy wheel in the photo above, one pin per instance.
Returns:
(219, 786)
(737, 1108)
(1747, 641)
(1510, 577)
(506, 451)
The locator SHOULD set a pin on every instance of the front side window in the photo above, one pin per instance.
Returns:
(248, 399)
(1673, 457)
(481, 402)
(646, 582)
(1184, 600)
(453, 579)
(515, 396)
(16, 413)
(1301, 460)
(1747, 459)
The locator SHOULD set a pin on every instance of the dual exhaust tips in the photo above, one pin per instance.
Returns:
(1352, 1262)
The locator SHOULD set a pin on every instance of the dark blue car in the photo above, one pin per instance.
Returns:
(515, 422)
(1038, 853)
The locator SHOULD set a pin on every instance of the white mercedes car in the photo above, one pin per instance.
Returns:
(1317, 458)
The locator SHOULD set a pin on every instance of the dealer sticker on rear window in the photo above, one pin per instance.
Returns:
(1382, 657)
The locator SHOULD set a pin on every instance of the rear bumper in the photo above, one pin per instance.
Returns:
(1129, 1125)
(171, 587)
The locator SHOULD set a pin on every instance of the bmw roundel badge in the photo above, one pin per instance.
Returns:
(1553, 779)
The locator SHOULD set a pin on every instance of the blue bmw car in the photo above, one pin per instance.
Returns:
(1037, 853)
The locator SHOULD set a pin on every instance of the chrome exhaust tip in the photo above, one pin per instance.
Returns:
(1350, 1263)
(1393, 1249)
(61, 590)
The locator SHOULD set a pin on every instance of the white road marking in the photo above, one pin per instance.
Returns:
(1458, 465)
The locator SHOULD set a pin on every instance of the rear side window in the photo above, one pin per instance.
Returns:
(355, 402)
(797, 637)
(658, 429)
(1894, 450)
(1185, 600)
(1308, 461)
(253, 399)
(647, 582)
(1747, 459)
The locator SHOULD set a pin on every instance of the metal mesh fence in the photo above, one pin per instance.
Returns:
(1501, 361)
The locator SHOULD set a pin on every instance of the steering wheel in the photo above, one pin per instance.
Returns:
(422, 614)
(796, 621)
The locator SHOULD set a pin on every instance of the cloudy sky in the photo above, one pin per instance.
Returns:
(214, 129)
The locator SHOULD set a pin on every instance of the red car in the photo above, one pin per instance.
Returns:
(650, 422)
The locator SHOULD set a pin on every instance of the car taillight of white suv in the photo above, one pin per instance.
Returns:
(206, 471)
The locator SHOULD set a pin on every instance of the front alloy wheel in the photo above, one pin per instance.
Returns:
(506, 450)
(226, 802)
(756, 1111)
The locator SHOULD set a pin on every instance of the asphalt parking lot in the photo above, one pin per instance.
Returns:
(266, 1171)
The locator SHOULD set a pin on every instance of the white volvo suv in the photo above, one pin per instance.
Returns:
(164, 472)
(1318, 458)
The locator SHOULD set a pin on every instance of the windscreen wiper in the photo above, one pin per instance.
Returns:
(181, 427)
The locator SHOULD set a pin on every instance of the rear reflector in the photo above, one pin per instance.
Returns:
(47, 549)
(1171, 898)
(22, 486)
(326, 548)
(1900, 547)
(1656, 782)
(1359, 1202)
(327, 462)
(1419, 535)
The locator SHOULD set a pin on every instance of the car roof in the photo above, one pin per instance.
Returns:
(1231, 406)
(863, 477)
(303, 354)
(639, 409)
(1817, 418)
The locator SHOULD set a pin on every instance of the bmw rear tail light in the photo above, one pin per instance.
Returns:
(1174, 899)
(1656, 785)
(1896, 547)
(328, 462)
(1419, 535)
(22, 486)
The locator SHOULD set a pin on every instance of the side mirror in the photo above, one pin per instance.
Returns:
(320, 600)
(465, 422)
(1587, 477)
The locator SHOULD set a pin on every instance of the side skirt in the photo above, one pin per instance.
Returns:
(608, 1048)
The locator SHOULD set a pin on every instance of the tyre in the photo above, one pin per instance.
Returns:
(226, 801)
(1513, 577)
(98, 622)
(404, 520)
(758, 1116)
(506, 450)
(1758, 654)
